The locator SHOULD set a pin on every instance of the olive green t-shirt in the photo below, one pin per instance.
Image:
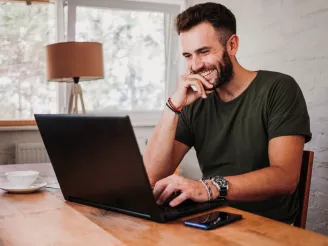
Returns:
(231, 138)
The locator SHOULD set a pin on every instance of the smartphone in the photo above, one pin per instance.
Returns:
(212, 220)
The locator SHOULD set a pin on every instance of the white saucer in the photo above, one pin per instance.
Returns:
(12, 189)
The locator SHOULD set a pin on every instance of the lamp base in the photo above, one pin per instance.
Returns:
(76, 92)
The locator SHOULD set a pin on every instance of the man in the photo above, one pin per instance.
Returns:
(248, 127)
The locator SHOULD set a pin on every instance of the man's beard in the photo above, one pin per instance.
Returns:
(224, 74)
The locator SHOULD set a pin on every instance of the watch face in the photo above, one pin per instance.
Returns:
(223, 184)
(221, 181)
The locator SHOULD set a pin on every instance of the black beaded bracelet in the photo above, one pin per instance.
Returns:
(170, 107)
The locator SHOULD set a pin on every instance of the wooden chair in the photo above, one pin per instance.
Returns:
(304, 188)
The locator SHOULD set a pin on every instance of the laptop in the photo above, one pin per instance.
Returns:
(97, 162)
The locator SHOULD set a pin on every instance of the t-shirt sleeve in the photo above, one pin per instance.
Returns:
(287, 111)
(184, 132)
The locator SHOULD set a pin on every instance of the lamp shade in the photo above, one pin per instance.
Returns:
(74, 59)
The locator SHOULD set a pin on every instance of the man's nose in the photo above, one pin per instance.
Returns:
(196, 64)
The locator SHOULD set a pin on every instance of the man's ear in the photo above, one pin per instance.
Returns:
(232, 45)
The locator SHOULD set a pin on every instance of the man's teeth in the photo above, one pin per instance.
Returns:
(207, 73)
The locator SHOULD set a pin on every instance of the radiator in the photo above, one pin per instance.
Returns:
(31, 153)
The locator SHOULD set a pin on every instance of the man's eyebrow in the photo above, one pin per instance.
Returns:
(202, 49)
(198, 50)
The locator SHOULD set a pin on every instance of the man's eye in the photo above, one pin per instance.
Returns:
(187, 56)
(204, 52)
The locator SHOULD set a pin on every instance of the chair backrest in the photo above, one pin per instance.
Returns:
(304, 188)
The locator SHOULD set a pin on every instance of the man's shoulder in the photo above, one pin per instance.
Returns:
(272, 84)
(276, 79)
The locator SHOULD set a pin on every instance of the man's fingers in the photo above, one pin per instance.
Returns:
(195, 83)
(165, 194)
(202, 79)
(176, 201)
(159, 188)
(201, 86)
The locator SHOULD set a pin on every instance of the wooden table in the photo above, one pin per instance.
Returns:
(45, 218)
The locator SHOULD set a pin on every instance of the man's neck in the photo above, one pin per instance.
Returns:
(241, 80)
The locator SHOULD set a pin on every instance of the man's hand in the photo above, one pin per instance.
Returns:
(188, 189)
(185, 94)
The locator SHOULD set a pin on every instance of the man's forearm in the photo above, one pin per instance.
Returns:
(158, 153)
(261, 184)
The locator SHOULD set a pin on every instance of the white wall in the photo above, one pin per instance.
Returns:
(291, 36)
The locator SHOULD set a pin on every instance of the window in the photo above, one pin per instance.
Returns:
(140, 55)
(24, 31)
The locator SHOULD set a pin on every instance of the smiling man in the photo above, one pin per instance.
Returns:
(248, 127)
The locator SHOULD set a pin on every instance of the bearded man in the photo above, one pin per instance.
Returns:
(248, 128)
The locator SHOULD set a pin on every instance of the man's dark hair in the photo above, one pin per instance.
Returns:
(219, 16)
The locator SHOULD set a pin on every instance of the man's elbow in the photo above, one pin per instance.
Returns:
(291, 187)
(288, 183)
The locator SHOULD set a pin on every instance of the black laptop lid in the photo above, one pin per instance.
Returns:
(97, 159)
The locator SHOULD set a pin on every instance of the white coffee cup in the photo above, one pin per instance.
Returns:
(22, 179)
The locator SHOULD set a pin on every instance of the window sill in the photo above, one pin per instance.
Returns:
(13, 123)
(18, 128)
(138, 119)
(16, 125)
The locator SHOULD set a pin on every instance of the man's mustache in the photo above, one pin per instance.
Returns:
(203, 69)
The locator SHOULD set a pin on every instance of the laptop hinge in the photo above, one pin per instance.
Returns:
(107, 207)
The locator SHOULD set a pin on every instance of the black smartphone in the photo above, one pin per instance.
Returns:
(212, 220)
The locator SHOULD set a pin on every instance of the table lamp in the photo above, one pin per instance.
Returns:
(74, 62)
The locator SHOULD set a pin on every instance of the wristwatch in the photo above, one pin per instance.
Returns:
(222, 184)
